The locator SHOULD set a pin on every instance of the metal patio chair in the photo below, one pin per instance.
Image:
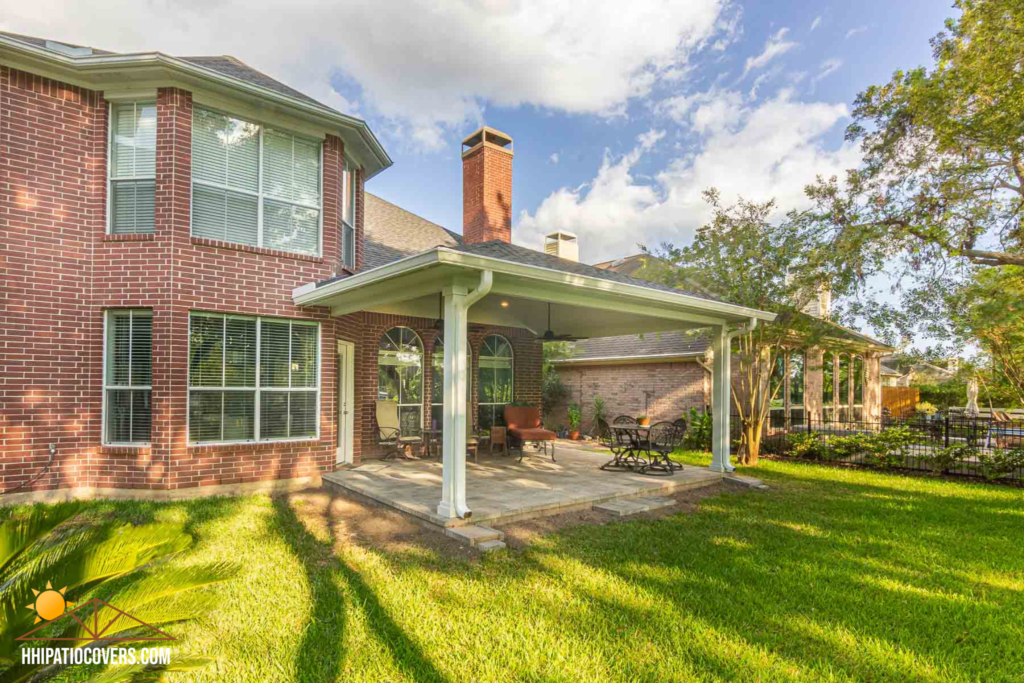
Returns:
(661, 441)
(389, 431)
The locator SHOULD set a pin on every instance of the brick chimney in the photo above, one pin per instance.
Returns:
(487, 187)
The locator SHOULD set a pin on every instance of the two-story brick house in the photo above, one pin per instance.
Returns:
(197, 291)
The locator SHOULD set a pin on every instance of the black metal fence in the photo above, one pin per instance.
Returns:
(952, 444)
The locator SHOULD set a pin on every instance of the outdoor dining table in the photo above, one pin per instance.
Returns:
(628, 445)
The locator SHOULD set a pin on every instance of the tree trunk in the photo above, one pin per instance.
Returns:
(750, 451)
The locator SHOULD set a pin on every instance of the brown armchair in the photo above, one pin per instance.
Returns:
(524, 426)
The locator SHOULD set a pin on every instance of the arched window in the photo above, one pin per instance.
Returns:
(858, 388)
(400, 375)
(796, 389)
(828, 387)
(495, 382)
(437, 383)
(843, 397)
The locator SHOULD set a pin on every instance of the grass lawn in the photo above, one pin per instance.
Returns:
(830, 575)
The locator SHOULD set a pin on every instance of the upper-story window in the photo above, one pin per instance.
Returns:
(254, 185)
(132, 168)
(348, 216)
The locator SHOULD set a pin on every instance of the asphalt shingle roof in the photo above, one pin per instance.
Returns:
(224, 64)
(392, 233)
(652, 344)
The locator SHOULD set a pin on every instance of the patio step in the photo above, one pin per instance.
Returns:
(474, 534)
(633, 506)
(749, 482)
(488, 546)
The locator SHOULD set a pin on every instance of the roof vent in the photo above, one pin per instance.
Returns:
(69, 50)
(563, 245)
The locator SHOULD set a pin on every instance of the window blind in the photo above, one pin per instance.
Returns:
(128, 377)
(132, 168)
(238, 364)
(253, 185)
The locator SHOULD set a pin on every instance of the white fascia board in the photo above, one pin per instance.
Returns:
(443, 255)
(599, 360)
(150, 59)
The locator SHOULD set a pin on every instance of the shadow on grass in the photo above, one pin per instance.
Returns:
(321, 653)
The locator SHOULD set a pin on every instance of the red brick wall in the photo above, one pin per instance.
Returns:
(487, 195)
(674, 389)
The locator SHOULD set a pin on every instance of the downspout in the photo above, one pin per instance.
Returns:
(486, 282)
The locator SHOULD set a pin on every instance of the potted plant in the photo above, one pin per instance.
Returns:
(643, 420)
(575, 416)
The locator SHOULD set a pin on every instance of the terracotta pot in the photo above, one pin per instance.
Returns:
(574, 435)
(643, 422)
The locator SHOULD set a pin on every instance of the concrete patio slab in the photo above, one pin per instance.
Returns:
(499, 489)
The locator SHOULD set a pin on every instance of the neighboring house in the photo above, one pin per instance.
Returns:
(920, 373)
(890, 373)
(199, 292)
(665, 375)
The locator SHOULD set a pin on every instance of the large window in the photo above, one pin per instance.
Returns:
(495, 381)
(437, 383)
(796, 389)
(843, 391)
(254, 185)
(252, 379)
(128, 377)
(786, 387)
(777, 392)
(132, 186)
(400, 376)
(348, 215)
(858, 388)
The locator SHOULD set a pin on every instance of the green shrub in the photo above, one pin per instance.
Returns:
(849, 446)
(1000, 463)
(698, 431)
(925, 408)
(599, 414)
(575, 416)
(890, 447)
(948, 459)
(807, 446)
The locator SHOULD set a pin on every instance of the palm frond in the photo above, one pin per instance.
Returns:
(18, 534)
(143, 673)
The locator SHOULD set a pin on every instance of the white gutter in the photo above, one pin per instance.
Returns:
(608, 359)
(143, 59)
(486, 282)
(304, 296)
(749, 327)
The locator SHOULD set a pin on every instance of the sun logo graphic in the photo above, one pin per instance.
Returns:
(50, 603)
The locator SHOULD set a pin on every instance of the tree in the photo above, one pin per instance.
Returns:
(741, 257)
(943, 169)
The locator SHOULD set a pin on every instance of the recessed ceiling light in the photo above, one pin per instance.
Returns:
(504, 304)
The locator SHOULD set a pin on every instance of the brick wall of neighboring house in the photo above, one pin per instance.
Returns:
(673, 389)
(527, 362)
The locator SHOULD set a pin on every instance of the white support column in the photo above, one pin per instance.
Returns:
(721, 399)
(456, 343)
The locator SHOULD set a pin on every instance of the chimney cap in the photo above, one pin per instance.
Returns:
(491, 137)
(561, 235)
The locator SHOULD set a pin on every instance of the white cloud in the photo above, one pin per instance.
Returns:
(828, 67)
(854, 31)
(554, 158)
(816, 23)
(775, 46)
(426, 66)
(772, 149)
(762, 79)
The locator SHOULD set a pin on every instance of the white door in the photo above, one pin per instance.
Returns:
(346, 396)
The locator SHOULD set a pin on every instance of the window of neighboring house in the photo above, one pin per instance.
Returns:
(437, 384)
(400, 376)
(348, 216)
(796, 389)
(252, 379)
(777, 393)
(254, 185)
(132, 188)
(858, 388)
(843, 387)
(828, 387)
(128, 377)
(495, 381)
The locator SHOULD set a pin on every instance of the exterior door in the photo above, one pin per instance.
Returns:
(346, 401)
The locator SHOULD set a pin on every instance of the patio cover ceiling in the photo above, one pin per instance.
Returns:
(583, 304)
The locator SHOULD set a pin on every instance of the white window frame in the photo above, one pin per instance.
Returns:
(423, 373)
(256, 390)
(110, 164)
(348, 196)
(480, 381)
(259, 194)
(121, 387)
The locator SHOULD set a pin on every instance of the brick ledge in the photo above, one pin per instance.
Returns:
(220, 244)
(133, 237)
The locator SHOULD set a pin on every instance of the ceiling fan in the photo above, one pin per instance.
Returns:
(549, 334)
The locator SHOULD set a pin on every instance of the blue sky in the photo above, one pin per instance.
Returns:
(622, 113)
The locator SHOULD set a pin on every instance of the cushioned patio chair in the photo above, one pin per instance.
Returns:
(624, 420)
(389, 431)
(524, 427)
